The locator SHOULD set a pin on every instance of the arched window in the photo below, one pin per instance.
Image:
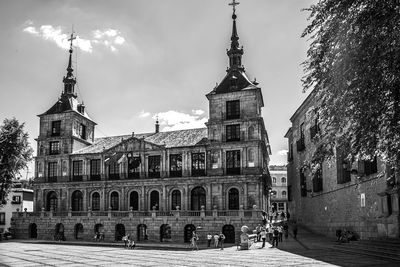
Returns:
(284, 193)
(154, 200)
(114, 201)
(233, 199)
(77, 201)
(274, 180)
(251, 132)
(134, 200)
(198, 198)
(95, 201)
(175, 199)
(51, 201)
(283, 180)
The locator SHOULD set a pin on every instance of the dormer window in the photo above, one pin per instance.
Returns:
(55, 128)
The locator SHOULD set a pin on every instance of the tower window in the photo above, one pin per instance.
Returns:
(233, 162)
(54, 148)
(233, 132)
(55, 128)
(232, 109)
(82, 131)
(52, 172)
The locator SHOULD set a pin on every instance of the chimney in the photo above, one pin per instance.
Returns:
(157, 126)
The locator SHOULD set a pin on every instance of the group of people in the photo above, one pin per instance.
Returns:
(99, 236)
(218, 240)
(274, 233)
(129, 243)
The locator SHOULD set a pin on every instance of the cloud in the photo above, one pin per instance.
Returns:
(143, 114)
(283, 152)
(109, 38)
(175, 120)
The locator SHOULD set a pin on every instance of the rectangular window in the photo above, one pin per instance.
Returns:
(154, 166)
(317, 181)
(233, 162)
(133, 166)
(175, 165)
(343, 167)
(16, 200)
(55, 128)
(233, 132)
(2, 218)
(82, 131)
(113, 171)
(198, 164)
(95, 169)
(303, 184)
(54, 148)
(52, 172)
(77, 170)
(232, 109)
(370, 167)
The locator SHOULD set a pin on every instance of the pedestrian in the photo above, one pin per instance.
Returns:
(216, 237)
(294, 229)
(288, 215)
(125, 239)
(275, 235)
(221, 240)
(263, 236)
(264, 217)
(131, 242)
(258, 229)
(280, 230)
(209, 238)
(194, 240)
(286, 230)
(270, 233)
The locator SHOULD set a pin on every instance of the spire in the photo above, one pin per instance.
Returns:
(157, 125)
(69, 80)
(235, 53)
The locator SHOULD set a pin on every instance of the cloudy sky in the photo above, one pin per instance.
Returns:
(137, 58)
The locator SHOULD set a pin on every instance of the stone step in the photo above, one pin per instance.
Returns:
(384, 244)
(368, 251)
(375, 247)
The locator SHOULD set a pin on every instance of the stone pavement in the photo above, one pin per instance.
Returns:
(308, 250)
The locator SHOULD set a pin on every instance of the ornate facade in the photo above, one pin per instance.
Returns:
(196, 173)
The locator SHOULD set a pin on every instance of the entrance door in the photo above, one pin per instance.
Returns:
(165, 232)
(77, 230)
(142, 232)
(189, 228)
(119, 232)
(33, 230)
(229, 232)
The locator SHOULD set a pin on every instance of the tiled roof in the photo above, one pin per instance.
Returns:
(242, 83)
(179, 138)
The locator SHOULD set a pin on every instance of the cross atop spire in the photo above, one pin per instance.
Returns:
(234, 4)
(69, 80)
(71, 39)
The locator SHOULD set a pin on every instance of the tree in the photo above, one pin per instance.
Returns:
(353, 67)
(15, 153)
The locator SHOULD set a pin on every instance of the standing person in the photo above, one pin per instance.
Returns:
(275, 235)
(194, 240)
(294, 230)
(216, 237)
(209, 238)
(288, 215)
(258, 229)
(263, 236)
(221, 240)
(270, 232)
(264, 217)
(280, 230)
(286, 230)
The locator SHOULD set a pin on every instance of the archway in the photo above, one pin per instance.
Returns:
(165, 233)
(32, 230)
(99, 230)
(198, 198)
(51, 203)
(233, 199)
(59, 232)
(175, 199)
(188, 232)
(77, 201)
(134, 200)
(229, 233)
(119, 231)
(154, 200)
(114, 201)
(141, 232)
(78, 229)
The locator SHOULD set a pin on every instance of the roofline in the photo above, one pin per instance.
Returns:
(306, 101)
(287, 133)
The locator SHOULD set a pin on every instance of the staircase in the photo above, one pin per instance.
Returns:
(380, 248)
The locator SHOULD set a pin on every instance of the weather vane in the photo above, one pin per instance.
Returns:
(234, 4)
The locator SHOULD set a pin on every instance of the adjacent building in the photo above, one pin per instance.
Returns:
(157, 185)
(343, 195)
(279, 196)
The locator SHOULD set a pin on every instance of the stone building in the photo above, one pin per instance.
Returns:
(344, 195)
(279, 191)
(159, 185)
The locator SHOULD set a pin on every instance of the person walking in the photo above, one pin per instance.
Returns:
(294, 229)
(275, 235)
(221, 240)
(286, 230)
(258, 229)
(216, 237)
(194, 240)
(263, 236)
(209, 238)
(280, 230)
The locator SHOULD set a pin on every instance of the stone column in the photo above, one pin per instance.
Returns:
(85, 200)
(122, 202)
(142, 199)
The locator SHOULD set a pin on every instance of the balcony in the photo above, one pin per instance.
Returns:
(300, 144)
(77, 178)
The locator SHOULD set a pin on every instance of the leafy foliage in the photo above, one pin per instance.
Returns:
(15, 153)
(353, 66)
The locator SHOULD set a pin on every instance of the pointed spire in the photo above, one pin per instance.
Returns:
(235, 53)
(69, 80)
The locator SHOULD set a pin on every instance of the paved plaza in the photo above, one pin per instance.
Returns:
(289, 253)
